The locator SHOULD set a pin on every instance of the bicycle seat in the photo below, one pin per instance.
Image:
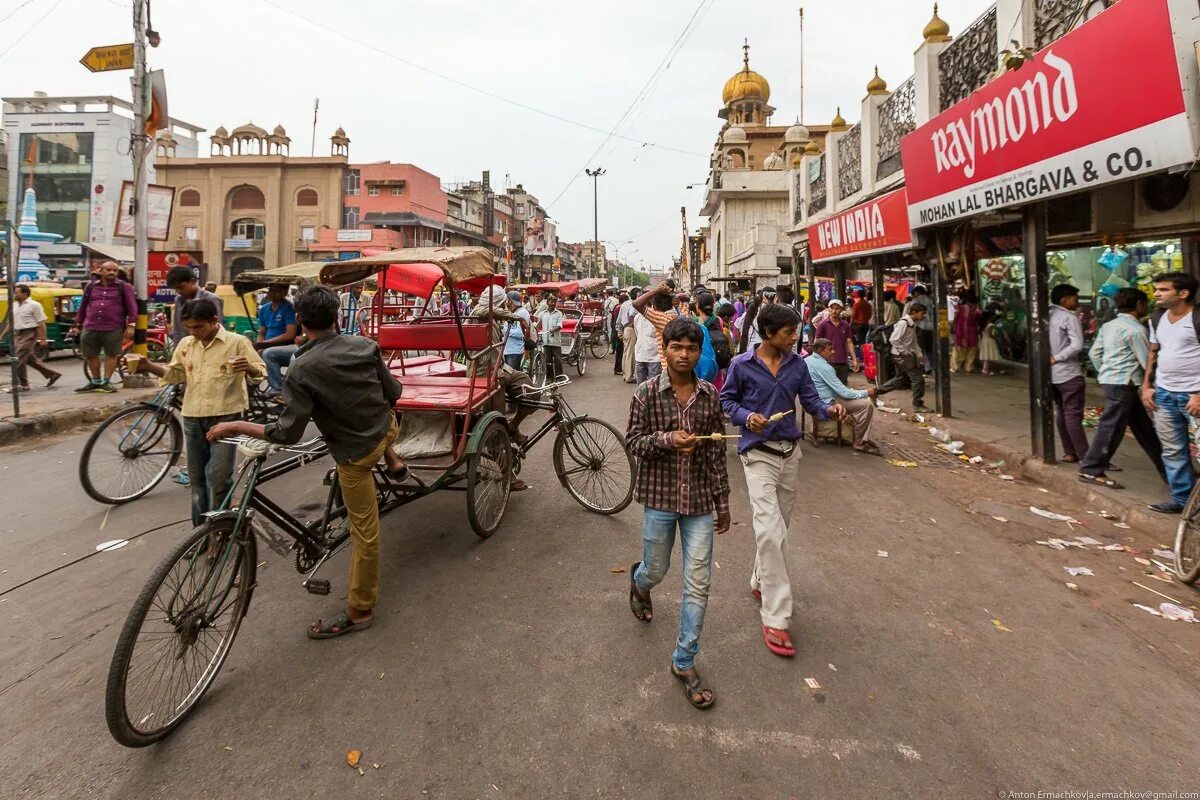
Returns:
(255, 448)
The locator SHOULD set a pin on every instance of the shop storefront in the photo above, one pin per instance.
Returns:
(1072, 122)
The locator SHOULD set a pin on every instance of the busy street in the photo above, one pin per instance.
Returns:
(708, 400)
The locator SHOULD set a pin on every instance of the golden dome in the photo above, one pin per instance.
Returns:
(838, 123)
(812, 148)
(937, 30)
(746, 83)
(877, 85)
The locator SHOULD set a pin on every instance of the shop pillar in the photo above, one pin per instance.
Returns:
(1037, 314)
(883, 365)
(941, 340)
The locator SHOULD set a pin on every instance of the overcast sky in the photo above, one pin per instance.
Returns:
(232, 61)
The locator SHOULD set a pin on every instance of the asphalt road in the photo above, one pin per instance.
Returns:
(512, 668)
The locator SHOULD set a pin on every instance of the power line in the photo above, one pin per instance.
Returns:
(662, 65)
(13, 13)
(30, 29)
(465, 85)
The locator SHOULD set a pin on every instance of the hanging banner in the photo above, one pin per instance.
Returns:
(159, 202)
(1085, 111)
(877, 226)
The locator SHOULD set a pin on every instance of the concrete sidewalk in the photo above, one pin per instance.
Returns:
(991, 416)
(47, 411)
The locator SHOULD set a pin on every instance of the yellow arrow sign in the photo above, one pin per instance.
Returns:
(109, 57)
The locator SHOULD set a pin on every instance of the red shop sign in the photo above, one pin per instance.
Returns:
(1103, 103)
(877, 226)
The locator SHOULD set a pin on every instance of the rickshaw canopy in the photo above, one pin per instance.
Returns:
(306, 273)
(564, 288)
(591, 285)
(417, 271)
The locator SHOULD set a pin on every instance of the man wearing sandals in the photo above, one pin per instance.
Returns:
(859, 403)
(341, 384)
(760, 394)
(682, 481)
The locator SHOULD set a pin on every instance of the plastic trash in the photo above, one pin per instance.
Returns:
(1088, 540)
(1107, 514)
(1173, 612)
(1075, 572)
(1164, 554)
(881, 553)
(1041, 512)
(976, 459)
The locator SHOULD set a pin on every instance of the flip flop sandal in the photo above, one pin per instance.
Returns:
(756, 594)
(870, 448)
(643, 610)
(1114, 468)
(338, 626)
(693, 687)
(1069, 459)
(1100, 480)
(781, 646)
(399, 476)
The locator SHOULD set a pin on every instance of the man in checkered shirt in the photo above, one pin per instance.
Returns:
(683, 482)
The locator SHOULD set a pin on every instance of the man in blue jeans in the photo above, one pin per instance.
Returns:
(682, 482)
(1171, 388)
(277, 339)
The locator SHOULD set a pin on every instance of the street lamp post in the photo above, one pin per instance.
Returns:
(595, 174)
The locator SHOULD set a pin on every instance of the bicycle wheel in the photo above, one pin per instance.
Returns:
(178, 633)
(537, 367)
(600, 345)
(581, 359)
(489, 479)
(591, 461)
(130, 453)
(1187, 540)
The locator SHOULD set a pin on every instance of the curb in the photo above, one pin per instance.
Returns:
(45, 424)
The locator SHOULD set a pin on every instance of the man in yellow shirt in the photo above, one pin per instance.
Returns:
(214, 363)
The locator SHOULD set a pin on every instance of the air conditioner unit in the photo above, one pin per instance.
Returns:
(1166, 199)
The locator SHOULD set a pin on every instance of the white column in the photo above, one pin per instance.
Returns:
(1014, 20)
(870, 132)
(925, 70)
(832, 142)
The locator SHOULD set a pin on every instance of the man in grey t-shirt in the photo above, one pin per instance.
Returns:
(187, 287)
(1066, 370)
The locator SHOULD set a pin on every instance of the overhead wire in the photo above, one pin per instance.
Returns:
(13, 13)
(30, 29)
(449, 78)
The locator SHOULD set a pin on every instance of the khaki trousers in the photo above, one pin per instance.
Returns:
(357, 480)
(862, 411)
(628, 365)
(771, 481)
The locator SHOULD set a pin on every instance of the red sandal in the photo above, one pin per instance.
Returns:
(778, 642)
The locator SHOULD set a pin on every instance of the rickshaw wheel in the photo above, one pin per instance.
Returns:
(600, 346)
(593, 464)
(581, 360)
(489, 479)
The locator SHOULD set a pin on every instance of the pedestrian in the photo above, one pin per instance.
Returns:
(907, 357)
(762, 384)
(214, 363)
(966, 333)
(750, 336)
(1171, 388)
(625, 323)
(682, 483)
(861, 313)
(517, 333)
(837, 330)
(925, 328)
(183, 281)
(1066, 371)
(107, 312)
(341, 384)
(1120, 354)
(211, 286)
(892, 310)
(859, 403)
(726, 313)
(550, 324)
(989, 351)
(655, 308)
(349, 303)
(277, 339)
(29, 332)
(614, 332)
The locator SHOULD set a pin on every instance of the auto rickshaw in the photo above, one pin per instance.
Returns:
(60, 305)
(240, 312)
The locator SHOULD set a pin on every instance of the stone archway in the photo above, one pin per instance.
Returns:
(244, 264)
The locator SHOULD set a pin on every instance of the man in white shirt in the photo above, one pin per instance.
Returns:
(1066, 370)
(1171, 388)
(551, 322)
(625, 319)
(29, 325)
(907, 357)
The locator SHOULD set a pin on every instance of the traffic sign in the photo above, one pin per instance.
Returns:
(109, 57)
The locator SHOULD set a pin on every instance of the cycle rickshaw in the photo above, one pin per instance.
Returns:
(182, 625)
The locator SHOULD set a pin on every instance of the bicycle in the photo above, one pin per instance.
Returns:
(1187, 535)
(133, 450)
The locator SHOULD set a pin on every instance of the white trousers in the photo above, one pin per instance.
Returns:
(628, 365)
(771, 481)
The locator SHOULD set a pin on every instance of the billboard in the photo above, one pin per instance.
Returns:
(156, 274)
(159, 201)
(541, 239)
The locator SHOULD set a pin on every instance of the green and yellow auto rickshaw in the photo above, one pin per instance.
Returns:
(60, 304)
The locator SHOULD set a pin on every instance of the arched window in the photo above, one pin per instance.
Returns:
(247, 228)
(306, 197)
(737, 159)
(247, 197)
(189, 197)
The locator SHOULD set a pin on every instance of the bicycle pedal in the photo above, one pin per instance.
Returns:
(317, 586)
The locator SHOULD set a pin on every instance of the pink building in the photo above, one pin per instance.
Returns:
(399, 197)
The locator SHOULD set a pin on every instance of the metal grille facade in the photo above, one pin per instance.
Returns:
(969, 61)
(897, 118)
(849, 157)
(1054, 19)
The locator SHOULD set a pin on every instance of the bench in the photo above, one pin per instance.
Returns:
(443, 394)
(440, 334)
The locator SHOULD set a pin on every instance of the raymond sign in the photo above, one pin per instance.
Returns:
(877, 226)
(1078, 115)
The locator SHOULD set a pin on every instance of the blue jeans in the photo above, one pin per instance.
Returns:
(210, 466)
(645, 370)
(696, 542)
(1171, 423)
(277, 358)
(514, 360)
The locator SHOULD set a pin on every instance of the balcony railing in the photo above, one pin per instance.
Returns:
(849, 156)
(897, 118)
(1054, 19)
(969, 61)
(246, 245)
(183, 243)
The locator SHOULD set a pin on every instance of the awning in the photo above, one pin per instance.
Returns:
(564, 288)
(879, 225)
(401, 219)
(418, 270)
(306, 273)
(121, 253)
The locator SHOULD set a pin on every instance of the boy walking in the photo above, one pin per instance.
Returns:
(763, 383)
(551, 322)
(682, 482)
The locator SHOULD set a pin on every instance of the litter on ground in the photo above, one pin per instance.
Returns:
(812, 683)
(1088, 540)
(1041, 512)
(1107, 514)
(881, 553)
(998, 625)
(895, 462)
(1170, 611)
(1121, 525)
(1164, 554)
(1077, 571)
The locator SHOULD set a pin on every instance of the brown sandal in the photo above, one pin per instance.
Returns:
(694, 688)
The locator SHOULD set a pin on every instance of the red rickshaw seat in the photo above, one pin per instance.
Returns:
(443, 394)
(436, 366)
(429, 335)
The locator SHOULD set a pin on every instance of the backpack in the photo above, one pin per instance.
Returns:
(1157, 315)
(87, 294)
(880, 338)
(706, 367)
(721, 345)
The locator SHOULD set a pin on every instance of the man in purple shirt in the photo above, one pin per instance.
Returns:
(106, 316)
(759, 395)
(837, 330)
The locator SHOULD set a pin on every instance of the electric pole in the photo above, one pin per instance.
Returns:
(595, 174)
(140, 151)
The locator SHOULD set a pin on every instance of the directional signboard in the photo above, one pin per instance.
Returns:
(109, 57)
